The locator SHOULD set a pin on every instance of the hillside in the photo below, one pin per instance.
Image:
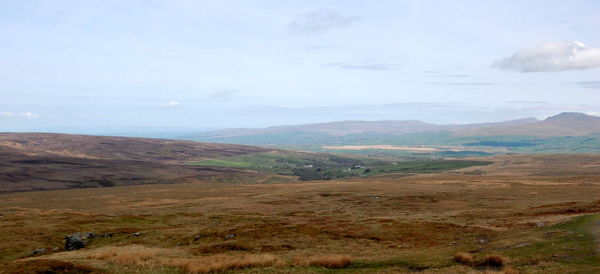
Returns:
(118, 148)
(43, 161)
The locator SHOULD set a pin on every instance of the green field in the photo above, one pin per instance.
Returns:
(317, 166)
(448, 143)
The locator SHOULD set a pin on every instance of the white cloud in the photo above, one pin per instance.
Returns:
(170, 104)
(320, 21)
(27, 114)
(553, 56)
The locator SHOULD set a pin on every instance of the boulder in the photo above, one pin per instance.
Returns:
(74, 241)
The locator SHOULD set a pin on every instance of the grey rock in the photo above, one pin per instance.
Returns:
(39, 251)
(74, 241)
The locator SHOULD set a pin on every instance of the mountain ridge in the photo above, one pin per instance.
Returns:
(390, 131)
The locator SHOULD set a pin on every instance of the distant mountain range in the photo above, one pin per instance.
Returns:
(564, 124)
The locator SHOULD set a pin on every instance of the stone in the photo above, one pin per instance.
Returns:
(230, 236)
(38, 251)
(74, 241)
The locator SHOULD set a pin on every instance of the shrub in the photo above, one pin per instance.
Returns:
(464, 258)
(494, 260)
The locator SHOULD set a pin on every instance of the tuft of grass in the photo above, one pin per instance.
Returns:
(222, 262)
(327, 260)
(464, 258)
(494, 260)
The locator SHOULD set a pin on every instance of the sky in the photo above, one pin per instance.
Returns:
(108, 66)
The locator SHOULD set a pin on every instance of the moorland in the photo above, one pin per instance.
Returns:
(185, 207)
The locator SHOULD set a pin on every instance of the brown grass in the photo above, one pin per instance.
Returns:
(222, 262)
(327, 260)
(132, 255)
(421, 218)
(464, 258)
(510, 270)
(494, 260)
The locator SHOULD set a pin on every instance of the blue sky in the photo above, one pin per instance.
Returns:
(113, 65)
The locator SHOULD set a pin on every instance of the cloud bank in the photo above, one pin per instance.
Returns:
(320, 21)
(553, 56)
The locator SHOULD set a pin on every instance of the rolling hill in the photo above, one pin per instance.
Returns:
(565, 132)
(45, 161)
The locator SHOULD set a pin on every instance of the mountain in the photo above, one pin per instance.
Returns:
(341, 128)
(322, 131)
(563, 124)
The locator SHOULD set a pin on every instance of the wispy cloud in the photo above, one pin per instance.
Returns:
(27, 114)
(553, 56)
(527, 102)
(170, 104)
(373, 66)
(320, 21)
(319, 47)
(457, 75)
(463, 83)
(223, 95)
